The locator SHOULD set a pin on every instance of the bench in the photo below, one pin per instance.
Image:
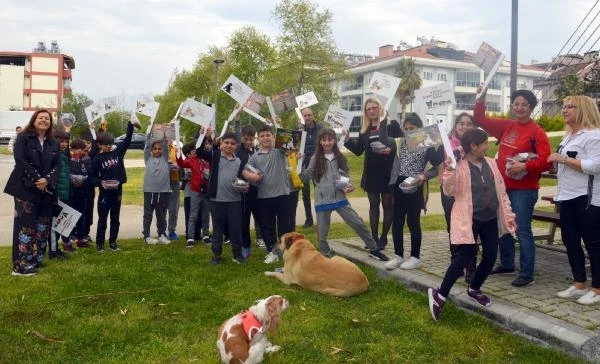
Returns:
(552, 217)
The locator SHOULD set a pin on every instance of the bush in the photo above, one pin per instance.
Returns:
(551, 123)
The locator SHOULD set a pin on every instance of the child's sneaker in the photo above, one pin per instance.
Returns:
(114, 247)
(479, 297)
(80, 243)
(206, 239)
(150, 240)
(436, 303)
(246, 253)
(215, 260)
(190, 243)
(173, 235)
(24, 271)
(271, 258)
(68, 248)
(100, 248)
(162, 239)
(261, 243)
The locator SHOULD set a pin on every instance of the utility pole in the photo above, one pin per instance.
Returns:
(514, 45)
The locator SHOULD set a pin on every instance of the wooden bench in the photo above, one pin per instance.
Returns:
(552, 217)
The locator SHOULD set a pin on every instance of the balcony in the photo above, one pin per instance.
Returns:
(464, 106)
(351, 87)
(66, 73)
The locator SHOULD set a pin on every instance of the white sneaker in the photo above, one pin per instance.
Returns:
(151, 241)
(571, 292)
(164, 240)
(411, 263)
(271, 258)
(589, 298)
(394, 263)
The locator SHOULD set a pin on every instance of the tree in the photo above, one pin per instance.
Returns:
(569, 86)
(306, 50)
(250, 54)
(75, 104)
(409, 82)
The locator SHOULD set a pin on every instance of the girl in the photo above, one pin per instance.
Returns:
(408, 205)
(481, 208)
(328, 169)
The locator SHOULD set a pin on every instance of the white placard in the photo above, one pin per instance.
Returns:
(66, 220)
(238, 90)
(306, 100)
(339, 118)
(434, 99)
(489, 60)
(94, 111)
(446, 142)
(301, 151)
(384, 86)
(196, 112)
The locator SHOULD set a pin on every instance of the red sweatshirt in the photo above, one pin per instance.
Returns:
(197, 165)
(516, 138)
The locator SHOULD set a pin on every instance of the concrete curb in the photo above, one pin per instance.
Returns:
(523, 321)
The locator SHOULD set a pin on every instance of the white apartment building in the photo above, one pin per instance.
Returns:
(36, 80)
(436, 63)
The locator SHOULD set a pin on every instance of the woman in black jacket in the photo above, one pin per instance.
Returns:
(377, 164)
(32, 183)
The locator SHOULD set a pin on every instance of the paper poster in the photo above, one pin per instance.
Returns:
(434, 99)
(489, 60)
(383, 87)
(339, 120)
(94, 111)
(306, 100)
(238, 90)
(197, 112)
(429, 136)
(110, 104)
(283, 101)
(447, 146)
(141, 101)
(66, 220)
(163, 131)
(288, 139)
(255, 102)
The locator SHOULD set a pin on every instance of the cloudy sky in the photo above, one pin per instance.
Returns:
(134, 46)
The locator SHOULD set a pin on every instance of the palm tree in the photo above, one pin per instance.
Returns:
(410, 80)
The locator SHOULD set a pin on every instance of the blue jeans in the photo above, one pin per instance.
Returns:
(522, 202)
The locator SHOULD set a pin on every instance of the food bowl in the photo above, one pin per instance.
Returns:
(378, 146)
(342, 182)
(409, 185)
(240, 185)
(110, 184)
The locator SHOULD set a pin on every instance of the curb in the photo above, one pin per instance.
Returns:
(522, 321)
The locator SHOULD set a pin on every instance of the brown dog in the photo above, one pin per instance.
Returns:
(305, 266)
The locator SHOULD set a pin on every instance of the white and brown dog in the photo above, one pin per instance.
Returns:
(242, 338)
(305, 266)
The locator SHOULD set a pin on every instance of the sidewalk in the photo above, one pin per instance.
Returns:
(533, 311)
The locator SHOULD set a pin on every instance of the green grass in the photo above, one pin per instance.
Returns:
(159, 304)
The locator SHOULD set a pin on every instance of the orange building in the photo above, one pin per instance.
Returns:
(40, 79)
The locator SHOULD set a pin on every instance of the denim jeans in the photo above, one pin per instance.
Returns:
(522, 202)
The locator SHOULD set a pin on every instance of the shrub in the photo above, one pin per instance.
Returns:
(551, 123)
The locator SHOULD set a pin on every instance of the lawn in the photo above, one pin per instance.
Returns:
(159, 304)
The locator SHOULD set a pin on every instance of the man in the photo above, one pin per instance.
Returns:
(13, 139)
(312, 129)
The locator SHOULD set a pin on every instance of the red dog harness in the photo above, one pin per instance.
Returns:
(250, 324)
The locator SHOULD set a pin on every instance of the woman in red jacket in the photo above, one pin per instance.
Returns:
(522, 157)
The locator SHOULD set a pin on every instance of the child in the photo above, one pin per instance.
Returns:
(481, 208)
(80, 166)
(225, 200)
(197, 201)
(273, 183)
(89, 152)
(173, 207)
(157, 188)
(108, 173)
(328, 169)
(63, 183)
(249, 199)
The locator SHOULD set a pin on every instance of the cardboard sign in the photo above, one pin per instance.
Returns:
(306, 100)
(434, 99)
(489, 60)
(66, 220)
(423, 138)
(383, 87)
(339, 120)
(197, 112)
(238, 90)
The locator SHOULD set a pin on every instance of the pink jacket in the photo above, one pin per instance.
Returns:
(458, 184)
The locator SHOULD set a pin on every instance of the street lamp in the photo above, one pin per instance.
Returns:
(217, 63)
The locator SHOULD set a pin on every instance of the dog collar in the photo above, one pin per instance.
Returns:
(250, 324)
(297, 237)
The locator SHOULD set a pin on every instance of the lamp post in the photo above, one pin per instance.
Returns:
(217, 63)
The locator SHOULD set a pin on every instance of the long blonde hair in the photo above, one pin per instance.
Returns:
(588, 116)
(366, 123)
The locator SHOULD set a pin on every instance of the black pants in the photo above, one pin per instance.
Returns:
(407, 207)
(293, 201)
(488, 235)
(250, 207)
(578, 222)
(447, 203)
(306, 202)
(109, 202)
(89, 210)
(274, 215)
(226, 218)
(79, 200)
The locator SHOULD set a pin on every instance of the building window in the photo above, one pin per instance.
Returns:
(427, 75)
(495, 83)
(522, 85)
(467, 79)
(441, 77)
(351, 103)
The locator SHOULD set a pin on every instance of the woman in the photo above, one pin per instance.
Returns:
(482, 209)
(408, 205)
(377, 165)
(578, 193)
(462, 123)
(32, 183)
(522, 179)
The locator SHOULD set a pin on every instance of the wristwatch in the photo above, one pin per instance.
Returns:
(565, 159)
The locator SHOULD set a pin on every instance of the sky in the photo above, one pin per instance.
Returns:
(134, 46)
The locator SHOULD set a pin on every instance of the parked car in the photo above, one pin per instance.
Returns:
(138, 140)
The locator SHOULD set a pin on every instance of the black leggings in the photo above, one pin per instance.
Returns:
(488, 234)
(387, 202)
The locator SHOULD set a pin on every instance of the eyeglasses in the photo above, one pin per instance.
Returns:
(520, 105)
(569, 106)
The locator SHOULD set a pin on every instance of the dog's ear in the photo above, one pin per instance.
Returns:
(288, 240)
(273, 308)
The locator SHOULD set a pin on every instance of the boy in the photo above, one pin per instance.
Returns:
(225, 200)
(273, 190)
(63, 182)
(157, 187)
(80, 166)
(197, 201)
(108, 173)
